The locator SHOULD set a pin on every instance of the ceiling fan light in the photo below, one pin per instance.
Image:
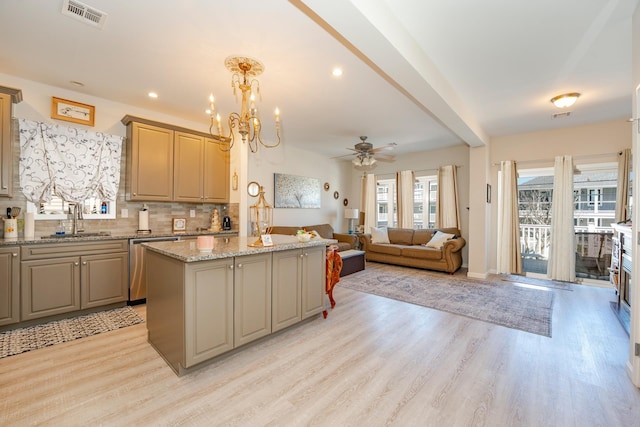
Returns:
(356, 161)
(565, 100)
(371, 161)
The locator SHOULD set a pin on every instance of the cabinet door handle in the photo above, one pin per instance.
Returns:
(240, 265)
(231, 267)
(84, 262)
(306, 254)
(301, 255)
(75, 263)
(14, 254)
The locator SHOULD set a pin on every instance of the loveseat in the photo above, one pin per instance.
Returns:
(345, 241)
(408, 247)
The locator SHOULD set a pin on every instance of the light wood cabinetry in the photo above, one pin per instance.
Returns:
(286, 296)
(252, 298)
(8, 96)
(66, 277)
(9, 285)
(313, 281)
(168, 163)
(149, 163)
(199, 310)
(298, 285)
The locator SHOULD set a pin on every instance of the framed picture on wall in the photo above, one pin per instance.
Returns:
(179, 225)
(71, 111)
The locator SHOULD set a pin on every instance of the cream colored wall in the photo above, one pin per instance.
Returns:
(594, 143)
(289, 160)
(426, 161)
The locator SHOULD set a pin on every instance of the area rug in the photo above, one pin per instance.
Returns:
(34, 337)
(497, 301)
(555, 284)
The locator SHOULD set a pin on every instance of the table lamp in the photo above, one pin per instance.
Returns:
(351, 214)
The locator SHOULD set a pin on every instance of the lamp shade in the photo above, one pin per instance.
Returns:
(351, 213)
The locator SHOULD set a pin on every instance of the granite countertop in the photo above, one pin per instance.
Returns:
(93, 236)
(227, 247)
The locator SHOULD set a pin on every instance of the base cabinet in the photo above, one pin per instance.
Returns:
(298, 285)
(252, 298)
(199, 310)
(61, 278)
(9, 285)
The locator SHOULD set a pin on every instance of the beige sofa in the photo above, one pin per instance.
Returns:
(345, 241)
(407, 247)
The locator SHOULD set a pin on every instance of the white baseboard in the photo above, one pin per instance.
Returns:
(477, 275)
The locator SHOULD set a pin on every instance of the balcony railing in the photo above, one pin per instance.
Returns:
(592, 250)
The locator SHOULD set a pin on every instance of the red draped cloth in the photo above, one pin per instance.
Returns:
(334, 267)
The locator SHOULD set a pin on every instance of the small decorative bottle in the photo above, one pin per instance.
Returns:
(103, 208)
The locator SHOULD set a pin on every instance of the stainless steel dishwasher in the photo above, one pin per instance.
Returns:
(137, 276)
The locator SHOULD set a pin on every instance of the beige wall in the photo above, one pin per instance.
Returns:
(594, 143)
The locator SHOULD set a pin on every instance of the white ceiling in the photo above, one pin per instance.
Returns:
(422, 73)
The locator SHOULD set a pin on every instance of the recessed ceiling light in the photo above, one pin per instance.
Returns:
(76, 83)
(337, 72)
(153, 95)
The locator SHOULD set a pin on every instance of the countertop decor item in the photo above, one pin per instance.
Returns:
(260, 214)
(179, 225)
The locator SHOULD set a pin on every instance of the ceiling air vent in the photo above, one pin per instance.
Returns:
(561, 115)
(84, 13)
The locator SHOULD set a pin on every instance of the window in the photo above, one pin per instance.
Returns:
(425, 193)
(59, 209)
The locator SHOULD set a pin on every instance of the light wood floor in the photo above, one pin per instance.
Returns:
(372, 362)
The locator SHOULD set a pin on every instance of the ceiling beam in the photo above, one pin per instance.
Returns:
(369, 29)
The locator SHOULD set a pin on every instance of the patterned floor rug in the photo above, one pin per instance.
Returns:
(498, 301)
(555, 284)
(34, 337)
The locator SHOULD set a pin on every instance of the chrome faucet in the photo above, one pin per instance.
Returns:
(76, 216)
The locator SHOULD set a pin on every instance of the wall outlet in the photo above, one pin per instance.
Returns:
(192, 213)
(124, 213)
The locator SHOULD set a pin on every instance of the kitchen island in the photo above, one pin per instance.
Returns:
(201, 305)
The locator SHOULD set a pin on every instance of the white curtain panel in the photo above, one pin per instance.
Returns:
(447, 211)
(74, 164)
(622, 193)
(509, 254)
(562, 259)
(404, 183)
(370, 204)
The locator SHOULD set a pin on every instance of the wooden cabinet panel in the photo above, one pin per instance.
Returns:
(216, 173)
(188, 183)
(104, 279)
(49, 287)
(286, 289)
(149, 162)
(252, 298)
(6, 147)
(313, 281)
(9, 285)
(208, 297)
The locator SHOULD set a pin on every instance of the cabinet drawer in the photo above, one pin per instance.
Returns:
(55, 250)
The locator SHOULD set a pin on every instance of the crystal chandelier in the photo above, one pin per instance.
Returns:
(247, 121)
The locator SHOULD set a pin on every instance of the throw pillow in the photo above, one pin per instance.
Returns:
(379, 235)
(438, 240)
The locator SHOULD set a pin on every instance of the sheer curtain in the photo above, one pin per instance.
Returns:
(509, 255)
(562, 260)
(404, 183)
(447, 212)
(622, 194)
(74, 164)
(370, 217)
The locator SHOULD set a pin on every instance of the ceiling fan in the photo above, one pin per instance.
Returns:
(364, 154)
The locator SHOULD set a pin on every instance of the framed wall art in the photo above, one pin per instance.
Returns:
(71, 111)
(179, 225)
(293, 191)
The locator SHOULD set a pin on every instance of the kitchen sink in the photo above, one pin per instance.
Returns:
(83, 234)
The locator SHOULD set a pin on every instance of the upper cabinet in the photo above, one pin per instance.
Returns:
(8, 97)
(167, 163)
